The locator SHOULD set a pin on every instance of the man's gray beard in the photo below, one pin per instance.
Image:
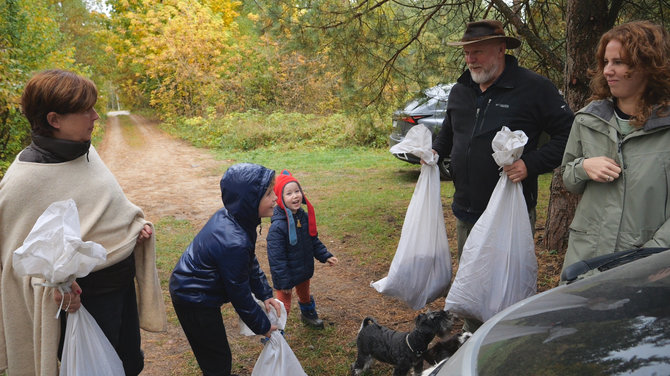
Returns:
(484, 76)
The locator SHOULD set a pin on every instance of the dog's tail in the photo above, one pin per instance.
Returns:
(367, 321)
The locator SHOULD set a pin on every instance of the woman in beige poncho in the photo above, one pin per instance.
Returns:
(123, 293)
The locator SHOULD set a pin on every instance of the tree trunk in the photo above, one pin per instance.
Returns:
(586, 21)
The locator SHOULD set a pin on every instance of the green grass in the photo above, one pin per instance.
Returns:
(131, 134)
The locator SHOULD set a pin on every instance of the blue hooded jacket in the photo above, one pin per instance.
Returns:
(291, 265)
(220, 265)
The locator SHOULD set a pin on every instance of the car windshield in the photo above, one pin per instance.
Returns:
(617, 323)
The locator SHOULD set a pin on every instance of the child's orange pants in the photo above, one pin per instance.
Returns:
(302, 290)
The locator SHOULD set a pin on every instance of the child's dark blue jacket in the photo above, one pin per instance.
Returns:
(292, 264)
(220, 264)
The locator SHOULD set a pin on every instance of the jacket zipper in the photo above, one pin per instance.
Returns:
(623, 181)
(472, 136)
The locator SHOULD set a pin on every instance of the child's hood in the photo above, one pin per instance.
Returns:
(242, 188)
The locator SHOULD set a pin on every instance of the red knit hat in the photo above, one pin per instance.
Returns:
(284, 178)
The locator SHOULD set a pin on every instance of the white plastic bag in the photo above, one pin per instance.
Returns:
(279, 322)
(86, 350)
(421, 268)
(498, 266)
(277, 358)
(54, 251)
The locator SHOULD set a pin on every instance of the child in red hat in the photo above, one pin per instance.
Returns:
(293, 245)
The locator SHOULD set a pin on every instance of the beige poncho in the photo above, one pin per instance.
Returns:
(29, 332)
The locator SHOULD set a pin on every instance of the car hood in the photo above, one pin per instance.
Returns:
(615, 323)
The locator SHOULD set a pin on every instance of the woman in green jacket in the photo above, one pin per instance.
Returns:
(618, 152)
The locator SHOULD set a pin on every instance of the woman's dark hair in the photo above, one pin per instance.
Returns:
(645, 48)
(58, 91)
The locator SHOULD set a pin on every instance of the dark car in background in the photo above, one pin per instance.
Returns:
(616, 322)
(429, 109)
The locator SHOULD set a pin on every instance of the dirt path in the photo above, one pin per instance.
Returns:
(168, 177)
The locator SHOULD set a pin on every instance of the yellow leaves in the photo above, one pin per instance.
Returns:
(180, 50)
(253, 17)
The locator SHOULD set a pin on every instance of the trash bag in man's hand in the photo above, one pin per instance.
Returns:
(498, 266)
(54, 251)
(421, 268)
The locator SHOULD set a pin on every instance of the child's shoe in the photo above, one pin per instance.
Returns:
(308, 314)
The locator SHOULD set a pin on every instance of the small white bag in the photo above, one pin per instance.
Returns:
(421, 268)
(277, 358)
(54, 251)
(86, 350)
(498, 266)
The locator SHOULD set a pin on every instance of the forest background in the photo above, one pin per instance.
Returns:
(222, 72)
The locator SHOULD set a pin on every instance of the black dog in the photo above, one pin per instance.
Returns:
(402, 349)
(445, 348)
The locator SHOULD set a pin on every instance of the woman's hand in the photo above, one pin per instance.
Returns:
(332, 261)
(145, 233)
(275, 304)
(601, 169)
(71, 301)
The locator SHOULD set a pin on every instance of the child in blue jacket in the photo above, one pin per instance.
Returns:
(293, 245)
(220, 266)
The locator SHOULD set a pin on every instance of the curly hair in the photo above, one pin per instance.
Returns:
(645, 47)
(55, 90)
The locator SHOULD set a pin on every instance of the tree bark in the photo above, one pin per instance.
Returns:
(586, 21)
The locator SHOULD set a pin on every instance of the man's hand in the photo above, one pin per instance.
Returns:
(517, 171)
(434, 152)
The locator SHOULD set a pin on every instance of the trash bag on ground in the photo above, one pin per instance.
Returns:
(421, 268)
(54, 251)
(277, 358)
(498, 266)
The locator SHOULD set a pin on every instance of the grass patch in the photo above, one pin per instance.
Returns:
(277, 131)
(131, 133)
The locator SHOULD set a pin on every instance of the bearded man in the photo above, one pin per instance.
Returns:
(495, 92)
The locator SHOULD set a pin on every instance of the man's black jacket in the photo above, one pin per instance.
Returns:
(519, 99)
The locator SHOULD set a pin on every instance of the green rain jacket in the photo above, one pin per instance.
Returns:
(633, 210)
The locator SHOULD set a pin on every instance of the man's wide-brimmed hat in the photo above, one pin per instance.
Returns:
(479, 31)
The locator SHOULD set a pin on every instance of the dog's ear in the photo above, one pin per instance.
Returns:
(420, 318)
(438, 315)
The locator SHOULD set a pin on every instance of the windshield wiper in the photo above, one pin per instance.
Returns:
(606, 262)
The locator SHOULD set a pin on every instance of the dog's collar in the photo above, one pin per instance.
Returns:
(418, 353)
